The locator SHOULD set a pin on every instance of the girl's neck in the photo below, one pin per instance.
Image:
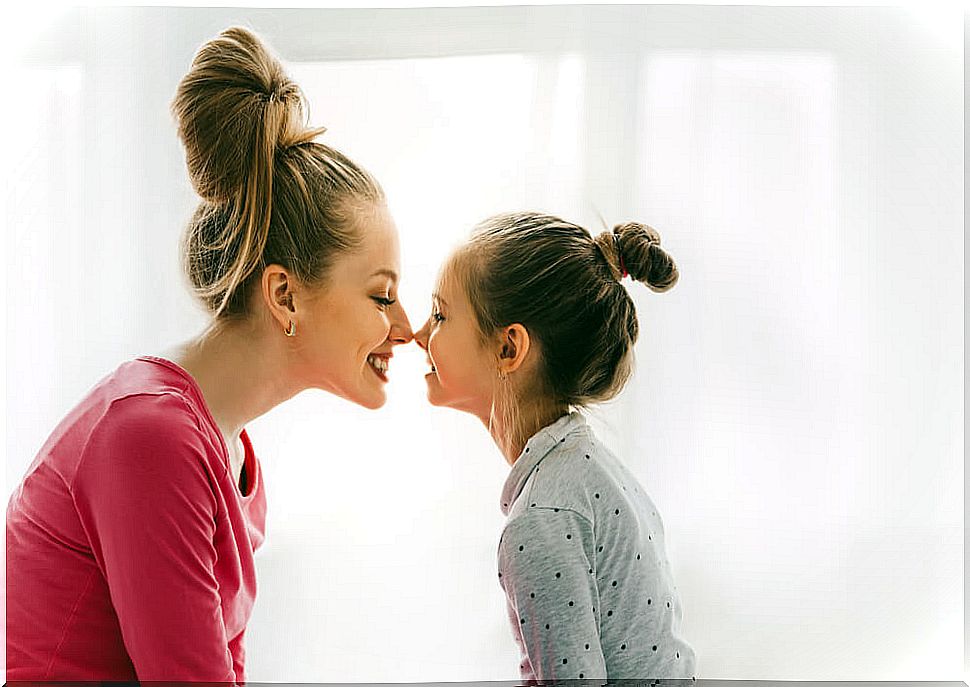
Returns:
(512, 428)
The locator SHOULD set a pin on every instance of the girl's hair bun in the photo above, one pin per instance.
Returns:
(640, 254)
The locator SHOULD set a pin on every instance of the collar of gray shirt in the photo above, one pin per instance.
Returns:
(536, 448)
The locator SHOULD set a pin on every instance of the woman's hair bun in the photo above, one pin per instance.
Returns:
(234, 108)
(640, 254)
(237, 112)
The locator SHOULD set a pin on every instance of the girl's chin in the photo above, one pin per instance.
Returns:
(434, 394)
(440, 401)
(439, 396)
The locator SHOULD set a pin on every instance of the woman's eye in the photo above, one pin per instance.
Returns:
(384, 302)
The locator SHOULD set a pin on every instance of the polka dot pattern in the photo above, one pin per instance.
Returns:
(580, 533)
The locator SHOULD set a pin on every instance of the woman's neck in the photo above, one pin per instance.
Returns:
(240, 372)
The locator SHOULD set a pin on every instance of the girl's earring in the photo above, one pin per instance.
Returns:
(291, 330)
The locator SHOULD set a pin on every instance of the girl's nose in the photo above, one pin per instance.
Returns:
(421, 336)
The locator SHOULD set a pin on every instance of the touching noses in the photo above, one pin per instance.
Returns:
(421, 336)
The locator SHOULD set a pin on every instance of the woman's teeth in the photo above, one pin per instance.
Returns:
(378, 363)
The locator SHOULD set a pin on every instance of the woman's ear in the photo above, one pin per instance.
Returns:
(277, 287)
(513, 345)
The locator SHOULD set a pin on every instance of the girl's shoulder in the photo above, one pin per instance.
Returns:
(579, 474)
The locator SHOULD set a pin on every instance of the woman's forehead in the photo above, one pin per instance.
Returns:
(377, 254)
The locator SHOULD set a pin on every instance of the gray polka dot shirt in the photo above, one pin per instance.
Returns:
(583, 565)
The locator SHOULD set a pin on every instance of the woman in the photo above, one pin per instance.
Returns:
(130, 540)
(530, 322)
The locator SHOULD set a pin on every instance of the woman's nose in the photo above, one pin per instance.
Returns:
(400, 326)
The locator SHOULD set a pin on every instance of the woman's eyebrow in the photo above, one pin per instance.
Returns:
(385, 272)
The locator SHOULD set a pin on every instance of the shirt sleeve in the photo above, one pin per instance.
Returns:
(547, 570)
(147, 502)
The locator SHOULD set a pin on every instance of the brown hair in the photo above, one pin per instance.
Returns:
(565, 288)
(269, 193)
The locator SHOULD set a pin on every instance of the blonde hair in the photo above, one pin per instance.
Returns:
(565, 288)
(269, 193)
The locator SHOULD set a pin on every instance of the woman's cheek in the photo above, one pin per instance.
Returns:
(382, 327)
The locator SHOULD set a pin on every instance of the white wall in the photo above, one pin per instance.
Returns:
(797, 408)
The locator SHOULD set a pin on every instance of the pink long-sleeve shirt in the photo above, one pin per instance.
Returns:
(129, 551)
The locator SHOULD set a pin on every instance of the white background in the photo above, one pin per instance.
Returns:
(797, 408)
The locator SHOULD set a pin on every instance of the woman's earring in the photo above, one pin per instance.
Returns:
(291, 330)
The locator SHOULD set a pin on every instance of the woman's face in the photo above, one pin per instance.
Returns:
(462, 372)
(352, 322)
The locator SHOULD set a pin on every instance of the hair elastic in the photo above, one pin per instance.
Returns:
(616, 242)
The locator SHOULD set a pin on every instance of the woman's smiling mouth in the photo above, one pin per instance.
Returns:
(379, 364)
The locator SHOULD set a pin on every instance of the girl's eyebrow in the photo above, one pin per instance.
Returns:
(438, 298)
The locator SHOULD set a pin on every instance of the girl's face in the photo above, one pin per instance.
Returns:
(350, 324)
(462, 372)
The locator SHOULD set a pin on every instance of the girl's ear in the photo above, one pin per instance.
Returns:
(513, 345)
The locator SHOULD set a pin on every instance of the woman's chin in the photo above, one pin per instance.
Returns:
(372, 404)
(372, 399)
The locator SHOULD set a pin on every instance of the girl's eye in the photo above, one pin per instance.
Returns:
(384, 302)
(437, 317)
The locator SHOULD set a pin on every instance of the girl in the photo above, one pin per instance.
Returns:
(530, 321)
(130, 541)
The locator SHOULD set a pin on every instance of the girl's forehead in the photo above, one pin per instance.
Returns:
(445, 280)
(448, 292)
(442, 291)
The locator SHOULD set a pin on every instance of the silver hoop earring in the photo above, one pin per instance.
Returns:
(291, 330)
